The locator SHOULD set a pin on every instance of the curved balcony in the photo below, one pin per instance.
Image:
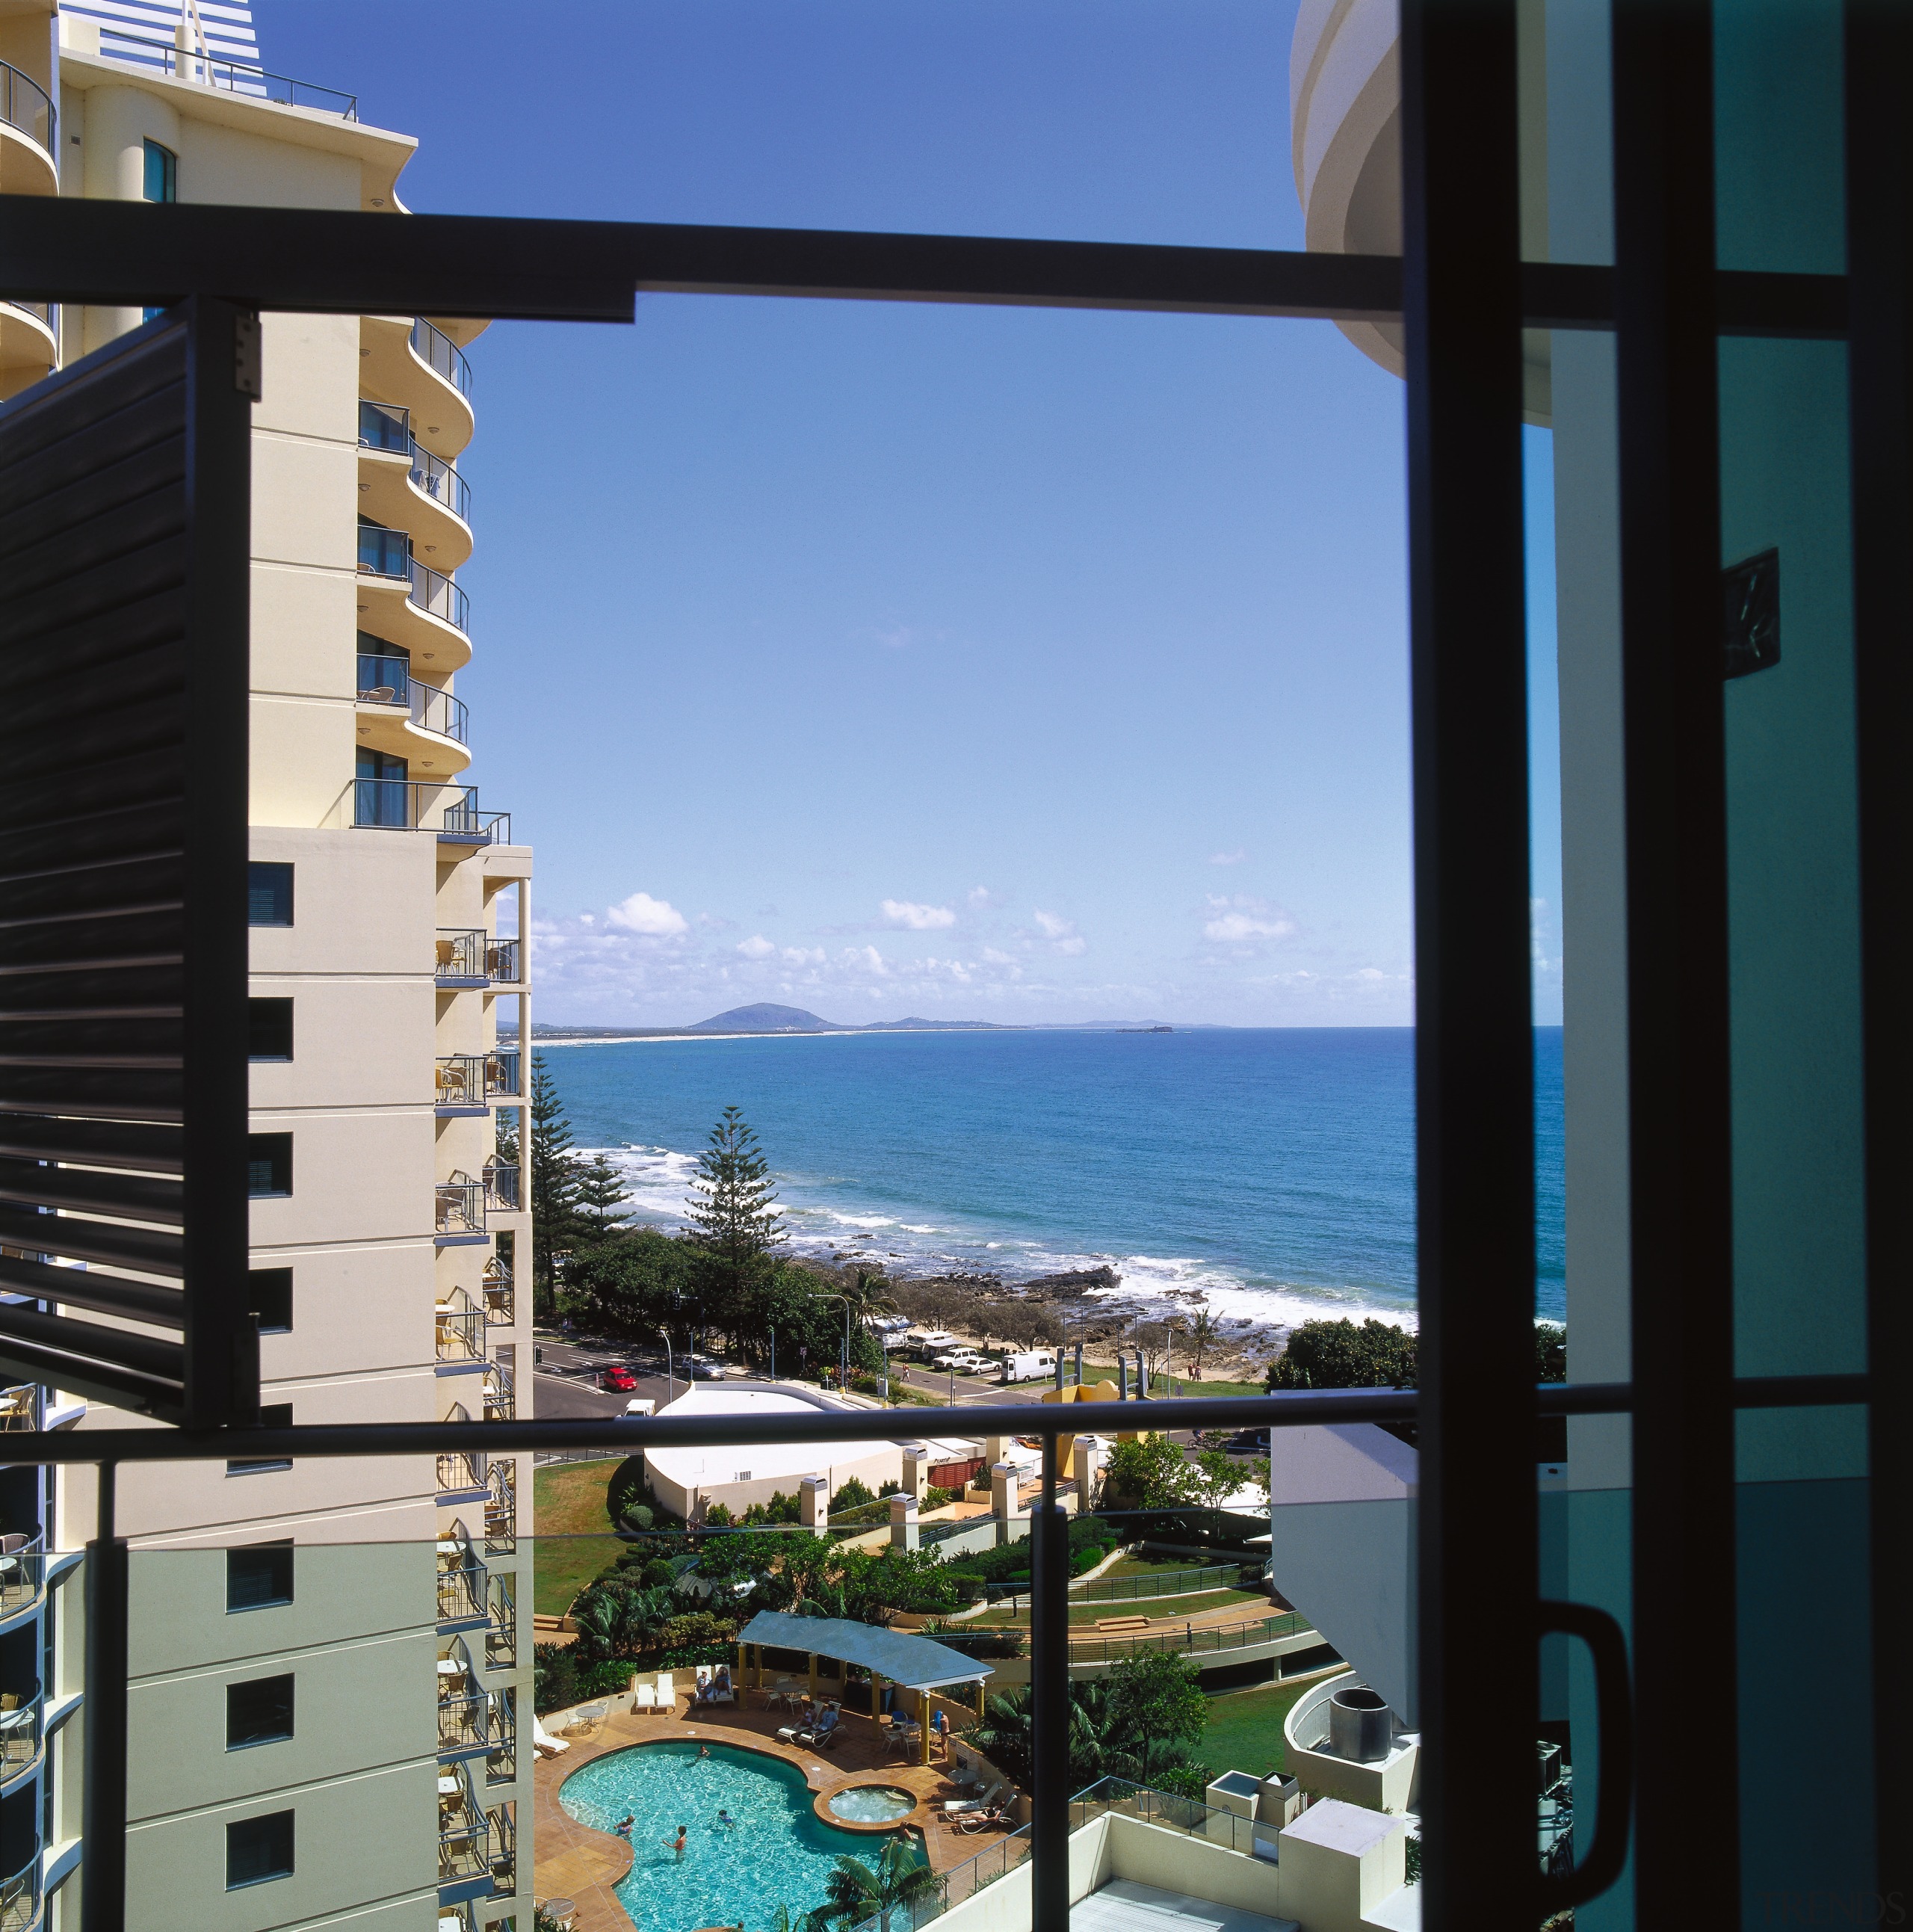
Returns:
(23, 1575)
(29, 128)
(29, 343)
(406, 718)
(401, 483)
(22, 1735)
(502, 1627)
(404, 361)
(19, 1897)
(408, 603)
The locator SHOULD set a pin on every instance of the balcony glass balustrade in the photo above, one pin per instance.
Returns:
(439, 597)
(462, 1579)
(24, 104)
(387, 429)
(20, 1733)
(461, 1473)
(464, 1836)
(19, 1897)
(383, 553)
(460, 1205)
(501, 1631)
(23, 1571)
(501, 1761)
(502, 1186)
(388, 680)
(500, 1401)
(422, 805)
(437, 351)
(467, 1079)
(499, 1298)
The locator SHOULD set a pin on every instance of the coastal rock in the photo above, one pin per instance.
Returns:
(1074, 1281)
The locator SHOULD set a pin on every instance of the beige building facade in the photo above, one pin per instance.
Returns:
(331, 1663)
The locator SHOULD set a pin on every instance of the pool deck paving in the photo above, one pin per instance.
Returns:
(572, 1860)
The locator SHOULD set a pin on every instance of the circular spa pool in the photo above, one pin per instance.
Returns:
(774, 1851)
(873, 1804)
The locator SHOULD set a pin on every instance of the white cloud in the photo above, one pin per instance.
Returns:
(1073, 945)
(1243, 920)
(991, 957)
(756, 947)
(655, 919)
(799, 955)
(915, 918)
(980, 896)
(1234, 858)
(866, 958)
(1053, 926)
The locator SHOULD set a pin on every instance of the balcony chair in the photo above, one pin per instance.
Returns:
(17, 1409)
(380, 693)
(448, 952)
(451, 1083)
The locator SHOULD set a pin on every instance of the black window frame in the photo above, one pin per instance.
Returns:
(265, 1830)
(273, 1562)
(252, 1704)
(273, 880)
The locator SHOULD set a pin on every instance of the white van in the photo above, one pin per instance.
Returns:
(1034, 1366)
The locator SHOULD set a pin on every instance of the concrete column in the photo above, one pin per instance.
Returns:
(813, 1665)
(813, 1503)
(994, 1448)
(903, 1522)
(916, 1470)
(923, 1727)
(1003, 1499)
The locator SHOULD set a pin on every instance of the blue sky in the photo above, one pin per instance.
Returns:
(899, 659)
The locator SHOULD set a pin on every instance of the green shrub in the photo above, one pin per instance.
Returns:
(718, 1516)
(605, 1678)
(554, 1677)
(657, 1574)
(696, 1630)
(637, 1519)
(853, 1495)
(934, 1498)
(890, 1489)
(626, 1486)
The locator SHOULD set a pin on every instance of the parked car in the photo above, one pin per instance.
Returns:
(965, 1361)
(618, 1379)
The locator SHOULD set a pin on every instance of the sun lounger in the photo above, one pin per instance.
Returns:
(990, 1817)
(667, 1692)
(543, 1742)
(954, 1807)
(644, 1698)
(817, 1734)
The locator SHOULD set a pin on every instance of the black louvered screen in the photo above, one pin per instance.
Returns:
(124, 510)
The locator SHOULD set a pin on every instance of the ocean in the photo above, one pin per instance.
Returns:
(1272, 1170)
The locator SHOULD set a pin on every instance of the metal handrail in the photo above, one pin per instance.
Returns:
(462, 1579)
(498, 1293)
(407, 805)
(502, 1763)
(387, 427)
(461, 1469)
(383, 552)
(458, 1326)
(26, 105)
(439, 353)
(1193, 1639)
(20, 1734)
(23, 1571)
(239, 76)
(501, 1398)
(466, 952)
(460, 1206)
(464, 1838)
(1169, 1583)
(502, 1186)
(437, 596)
(464, 1720)
(388, 680)
(501, 1631)
(501, 1506)
(504, 1855)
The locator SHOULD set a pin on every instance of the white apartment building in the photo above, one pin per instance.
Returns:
(329, 1662)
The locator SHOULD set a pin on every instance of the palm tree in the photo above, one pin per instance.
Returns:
(855, 1893)
(1201, 1333)
(784, 1920)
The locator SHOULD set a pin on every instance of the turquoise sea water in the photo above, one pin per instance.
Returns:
(778, 1853)
(1273, 1170)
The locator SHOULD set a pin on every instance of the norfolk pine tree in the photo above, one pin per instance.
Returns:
(733, 1218)
(554, 1183)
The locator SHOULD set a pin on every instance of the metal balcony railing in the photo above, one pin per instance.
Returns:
(501, 1630)
(502, 1186)
(462, 1578)
(19, 1897)
(21, 1405)
(461, 1471)
(460, 1326)
(24, 104)
(465, 954)
(464, 1837)
(20, 1733)
(504, 1824)
(23, 1571)
(384, 680)
(502, 1507)
(235, 76)
(437, 351)
(501, 1763)
(464, 1721)
(421, 804)
(501, 1400)
(383, 427)
(460, 1208)
(467, 1079)
(499, 1298)
(437, 596)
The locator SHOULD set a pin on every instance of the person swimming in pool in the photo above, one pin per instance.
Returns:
(622, 1829)
(703, 1752)
(725, 1819)
(677, 1844)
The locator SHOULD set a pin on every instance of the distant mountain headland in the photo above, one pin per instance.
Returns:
(764, 1018)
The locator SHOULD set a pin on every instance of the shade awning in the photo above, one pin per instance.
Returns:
(917, 1662)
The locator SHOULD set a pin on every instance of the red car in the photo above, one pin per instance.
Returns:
(618, 1379)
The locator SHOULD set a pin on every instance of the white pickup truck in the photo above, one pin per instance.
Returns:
(965, 1361)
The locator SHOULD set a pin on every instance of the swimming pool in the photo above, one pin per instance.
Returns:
(778, 1853)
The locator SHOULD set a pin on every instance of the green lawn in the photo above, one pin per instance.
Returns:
(573, 1541)
(1185, 1384)
(1245, 1729)
(1191, 1604)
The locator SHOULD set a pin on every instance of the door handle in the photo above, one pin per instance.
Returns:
(1614, 1705)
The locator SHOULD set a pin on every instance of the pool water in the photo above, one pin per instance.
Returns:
(778, 1852)
(873, 1804)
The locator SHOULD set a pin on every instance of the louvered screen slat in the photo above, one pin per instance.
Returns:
(124, 558)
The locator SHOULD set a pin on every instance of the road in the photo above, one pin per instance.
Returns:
(567, 1373)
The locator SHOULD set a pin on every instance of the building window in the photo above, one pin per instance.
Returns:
(269, 1296)
(268, 1165)
(269, 1035)
(258, 1712)
(268, 894)
(258, 1576)
(259, 1849)
(162, 173)
(271, 1415)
